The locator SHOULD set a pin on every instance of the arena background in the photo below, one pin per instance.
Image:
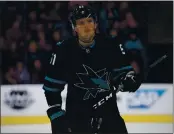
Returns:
(30, 30)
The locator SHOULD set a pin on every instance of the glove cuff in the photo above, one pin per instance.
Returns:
(55, 112)
(59, 122)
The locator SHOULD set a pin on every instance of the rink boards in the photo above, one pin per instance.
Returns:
(26, 104)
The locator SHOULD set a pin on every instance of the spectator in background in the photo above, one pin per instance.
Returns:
(136, 50)
(32, 24)
(8, 15)
(12, 55)
(112, 12)
(56, 36)
(133, 36)
(124, 6)
(27, 38)
(55, 13)
(37, 73)
(43, 44)
(43, 16)
(21, 49)
(14, 33)
(126, 17)
(41, 7)
(49, 29)
(32, 20)
(22, 73)
(116, 24)
(113, 33)
(130, 20)
(95, 5)
(62, 27)
(10, 76)
(19, 18)
(115, 28)
(50, 26)
(26, 41)
(133, 41)
(32, 54)
(39, 27)
(123, 9)
(107, 16)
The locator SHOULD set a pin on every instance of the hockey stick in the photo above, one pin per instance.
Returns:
(97, 121)
(116, 90)
(157, 61)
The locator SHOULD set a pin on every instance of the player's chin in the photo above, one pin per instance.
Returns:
(87, 39)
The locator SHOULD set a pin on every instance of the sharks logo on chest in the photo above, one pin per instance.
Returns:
(93, 82)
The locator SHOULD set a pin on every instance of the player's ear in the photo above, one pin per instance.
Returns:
(75, 29)
(95, 26)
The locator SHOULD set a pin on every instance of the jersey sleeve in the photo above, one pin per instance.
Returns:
(136, 52)
(132, 61)
(123, 54)
(122, 63)
(126, 66)
(55, 78)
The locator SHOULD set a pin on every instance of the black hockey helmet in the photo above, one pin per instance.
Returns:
(82, 11)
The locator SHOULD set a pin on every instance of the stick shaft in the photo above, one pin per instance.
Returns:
(150, 67)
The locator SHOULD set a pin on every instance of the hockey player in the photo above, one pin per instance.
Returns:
(88, 64)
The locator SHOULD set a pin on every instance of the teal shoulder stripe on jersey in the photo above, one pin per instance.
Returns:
(59, 43)
(123, 68)
(56, 115)
(92, 45)
(54, 80)
(51, 89)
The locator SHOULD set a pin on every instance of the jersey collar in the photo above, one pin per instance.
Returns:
(91, 46)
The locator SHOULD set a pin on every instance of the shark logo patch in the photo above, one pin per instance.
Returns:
(93, 82)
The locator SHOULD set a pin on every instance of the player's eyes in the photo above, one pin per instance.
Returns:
(90, 20)
(81, 23)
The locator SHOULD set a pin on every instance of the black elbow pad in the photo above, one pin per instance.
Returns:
(53, 98)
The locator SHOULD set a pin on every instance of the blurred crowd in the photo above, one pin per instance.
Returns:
(30, 30)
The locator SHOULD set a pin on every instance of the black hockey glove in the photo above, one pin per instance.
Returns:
(127, 81)
(130, 82)
(59, 123)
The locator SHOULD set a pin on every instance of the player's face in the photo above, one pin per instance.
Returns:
(85, 29)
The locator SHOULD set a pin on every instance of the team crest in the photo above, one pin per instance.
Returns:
(93, 82)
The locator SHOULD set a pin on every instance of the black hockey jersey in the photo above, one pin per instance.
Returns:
(86, 71)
